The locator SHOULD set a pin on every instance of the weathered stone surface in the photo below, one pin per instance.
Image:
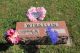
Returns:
(35, 30)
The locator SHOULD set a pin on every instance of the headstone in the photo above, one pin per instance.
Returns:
(35, 30)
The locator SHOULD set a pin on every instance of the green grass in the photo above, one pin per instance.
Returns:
(12, 11)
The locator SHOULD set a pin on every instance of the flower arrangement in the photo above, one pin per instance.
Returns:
(53, 35)
(12, 36)
(36, 14)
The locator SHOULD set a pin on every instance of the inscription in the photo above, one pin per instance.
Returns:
(40, 25)
(28, 32)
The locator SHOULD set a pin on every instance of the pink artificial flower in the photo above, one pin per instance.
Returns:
(10, 32)
(43, 12)
(36, 13)
(31, 18)
(13, 36)
(14, 39)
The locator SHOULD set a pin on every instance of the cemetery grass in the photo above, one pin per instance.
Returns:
(12, 11)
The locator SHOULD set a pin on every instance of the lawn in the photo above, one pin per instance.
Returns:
(12, 11)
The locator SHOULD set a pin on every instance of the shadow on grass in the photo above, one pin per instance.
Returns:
(30, 48)
(4, 46)
(27, 48)
(33, 46)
